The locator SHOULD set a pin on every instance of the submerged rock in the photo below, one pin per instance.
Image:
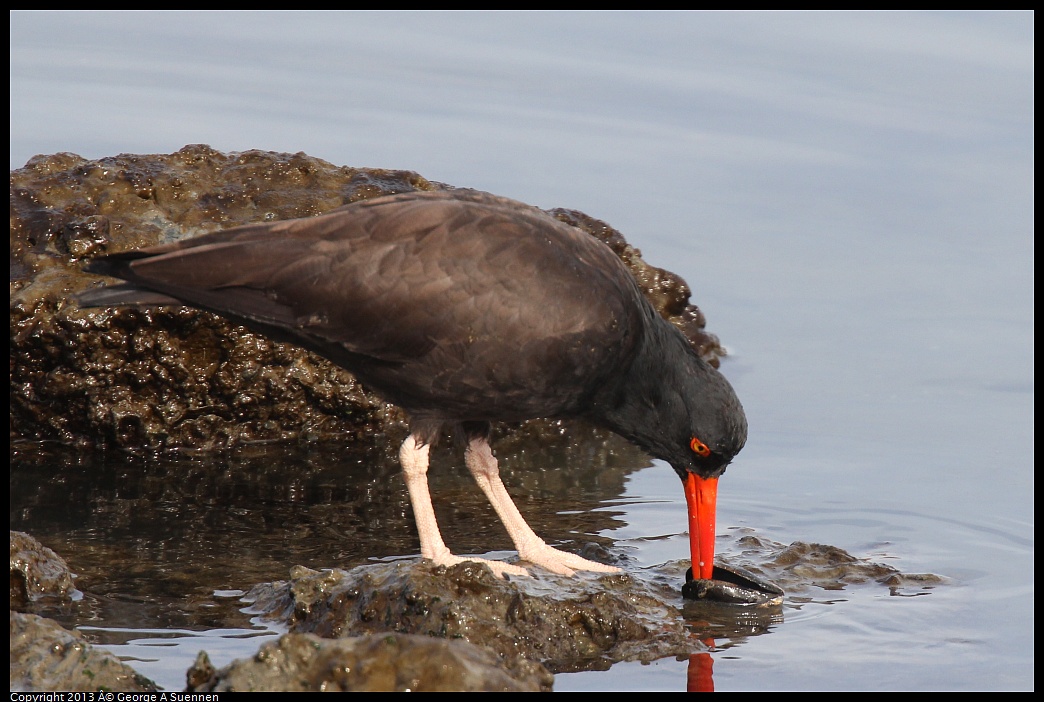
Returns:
(801, 567)
(831, 568)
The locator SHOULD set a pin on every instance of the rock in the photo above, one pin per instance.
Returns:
(46, 657)
(377, 663)
(37, 573)
(584, 622)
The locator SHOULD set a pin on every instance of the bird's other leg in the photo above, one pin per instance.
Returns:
(413, 455)
(483, 466)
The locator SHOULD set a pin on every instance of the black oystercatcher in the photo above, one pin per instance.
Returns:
(464, 308)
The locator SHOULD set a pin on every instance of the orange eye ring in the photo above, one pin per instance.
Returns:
(699, 448)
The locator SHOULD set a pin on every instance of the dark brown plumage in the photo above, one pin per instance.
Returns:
(462, 308)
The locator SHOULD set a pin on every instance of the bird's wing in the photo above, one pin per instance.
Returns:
(395, 278)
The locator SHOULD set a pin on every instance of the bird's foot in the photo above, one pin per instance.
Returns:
(548, 558)
(562, 562)
(499, 568)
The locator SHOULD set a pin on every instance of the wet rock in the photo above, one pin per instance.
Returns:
(46, 657)
(568, 624)
(171, 376)
(800, 567)
(37, 573)
(832, 568)
(378, 663)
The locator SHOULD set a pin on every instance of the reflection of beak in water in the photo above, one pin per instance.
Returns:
(701, 671)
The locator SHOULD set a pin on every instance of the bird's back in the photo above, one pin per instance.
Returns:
(455, 305)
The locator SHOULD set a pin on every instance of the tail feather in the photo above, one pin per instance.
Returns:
(123, 296)
(114, 265)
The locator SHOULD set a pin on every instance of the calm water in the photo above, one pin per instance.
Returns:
(849, 196)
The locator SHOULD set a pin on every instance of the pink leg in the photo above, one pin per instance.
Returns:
(414, 460)
(483, 466)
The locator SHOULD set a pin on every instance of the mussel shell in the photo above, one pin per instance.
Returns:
(732, 585)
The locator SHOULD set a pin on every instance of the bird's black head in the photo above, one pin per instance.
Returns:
(715, 432)
(679, 409)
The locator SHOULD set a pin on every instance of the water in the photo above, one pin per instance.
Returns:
(848, 194)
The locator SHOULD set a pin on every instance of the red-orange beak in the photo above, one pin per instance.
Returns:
(702, 496)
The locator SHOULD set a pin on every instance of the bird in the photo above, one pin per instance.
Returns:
(464, 309)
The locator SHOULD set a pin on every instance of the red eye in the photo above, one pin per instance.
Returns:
(699, 448)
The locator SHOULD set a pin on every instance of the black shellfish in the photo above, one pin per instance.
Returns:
(732, 585)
